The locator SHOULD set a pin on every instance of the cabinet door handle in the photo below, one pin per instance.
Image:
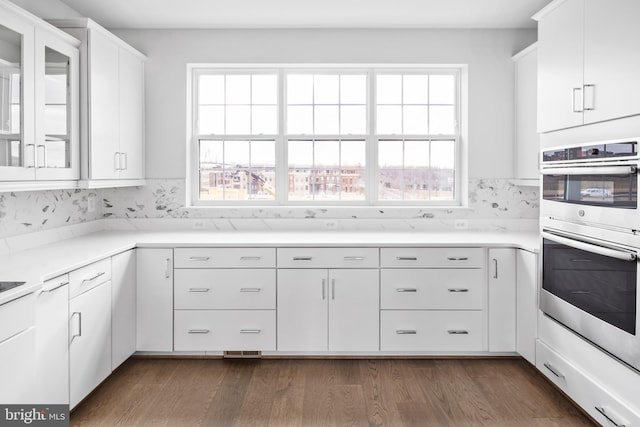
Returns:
(126, 163)
(167, 268)
(250, 258)
(116, 161)
(250, 331)
(250, 289)
(553, 370)
(575, 108)
(333, 288)
(458, 290)
(199, 331)
(302, 258)
(90, 279)
(354, 258)
(199, 258)
(457, 258)
(604, 413)
(406, 290)
(589, 97)
(198, 290)
(79, 334)
(407, 258)
(406, 332)
(324, 291)
(457, 332)
(495, 268)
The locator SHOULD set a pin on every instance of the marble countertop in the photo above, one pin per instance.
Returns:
(45, 262)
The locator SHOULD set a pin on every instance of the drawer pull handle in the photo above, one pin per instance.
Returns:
(406, 332)
(354, 258)
(55, 287)
(607, 416)
(456, 290)
(199, 258)
(90, 279)
(457, 258)
(199, 331)
(406, 290)
(457, 332)
(198, 290)
(553, 370)
(250, 331)
(167, 269)
(250, 289)
(302, 258)
(250, 258)
(407, 258)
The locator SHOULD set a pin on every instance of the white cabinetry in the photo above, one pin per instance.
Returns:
(587, 53)
(89, 328)
(527, 144)
(154, 300)
(52, 342)
(432, 299)
(39, 108)
(328, 309)
(123, 307)
(112, 115)
(502, 299)
(17, 350)
(526, 304)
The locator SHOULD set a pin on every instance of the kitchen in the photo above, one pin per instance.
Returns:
(157, 212)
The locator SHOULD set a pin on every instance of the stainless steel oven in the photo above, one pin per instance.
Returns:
(593, 183)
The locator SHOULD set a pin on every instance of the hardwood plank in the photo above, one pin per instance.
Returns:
(380, 410)
(288, 400)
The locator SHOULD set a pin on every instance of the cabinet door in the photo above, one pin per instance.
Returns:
(52, 342)
(354, 310)
(17, 369)
(527, 304)
(131, 116)
(527, 139)
(560, 67)
(611, 59)
(302, 310)
(154, 306)
(104, 105)
(90, 341)
(123, 307)
(502, 300)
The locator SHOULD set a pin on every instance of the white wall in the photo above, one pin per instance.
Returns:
(47, 9)
(488, 53)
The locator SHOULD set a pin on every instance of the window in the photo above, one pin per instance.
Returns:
(325, 136)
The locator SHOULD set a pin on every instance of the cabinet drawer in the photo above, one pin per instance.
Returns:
(224, 257)
(443, 289)
(595, 400)
(328, 258)
(220, 330)
(17, 315)
(88, 277)
(432, 257)
(225, 289)
(431, 330)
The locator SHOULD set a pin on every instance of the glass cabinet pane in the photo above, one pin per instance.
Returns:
(56, 150)
(10, 98)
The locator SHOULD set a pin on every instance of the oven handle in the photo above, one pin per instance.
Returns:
(600, 250)
(591, 170)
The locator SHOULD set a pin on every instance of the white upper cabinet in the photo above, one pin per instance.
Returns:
(39, 103)
(587, 62)
(112, 99)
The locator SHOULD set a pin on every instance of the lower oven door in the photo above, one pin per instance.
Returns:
(591, 288)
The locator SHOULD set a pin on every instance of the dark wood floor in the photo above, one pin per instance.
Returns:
(389, 392)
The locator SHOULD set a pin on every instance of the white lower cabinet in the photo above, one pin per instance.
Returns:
(52, 342)
(526, 304)
(328, 310)
(601, 404)
(502, 300)
(154, 300)
(90, 341)
(123, 307)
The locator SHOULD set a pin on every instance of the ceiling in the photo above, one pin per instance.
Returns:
(310, 13)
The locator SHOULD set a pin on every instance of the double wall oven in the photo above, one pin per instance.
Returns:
(590, 222)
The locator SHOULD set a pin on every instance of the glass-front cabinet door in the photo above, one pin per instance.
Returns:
(17, 145)
(57, 100)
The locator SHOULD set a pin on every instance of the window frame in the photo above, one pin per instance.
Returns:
(371, 139)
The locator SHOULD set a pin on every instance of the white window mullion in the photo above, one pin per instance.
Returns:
(372, 169)
(282, 165)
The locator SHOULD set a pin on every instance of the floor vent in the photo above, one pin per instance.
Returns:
(242, 354)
